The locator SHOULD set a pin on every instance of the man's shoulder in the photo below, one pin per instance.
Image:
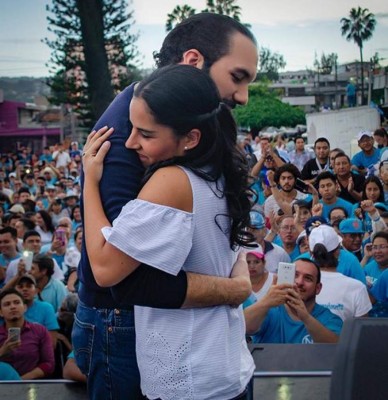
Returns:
(42, 306)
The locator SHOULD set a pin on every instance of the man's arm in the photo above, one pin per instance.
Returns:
(256, 313)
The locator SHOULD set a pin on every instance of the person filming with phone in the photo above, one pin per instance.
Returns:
(24, 346)
(288, 313)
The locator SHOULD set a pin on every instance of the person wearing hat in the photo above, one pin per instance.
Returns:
(368, 156)
(261, 279)
(352, 233)
(37, 311)
(273, 253)
(344, 296)
(32, 355)
(302, 242)
(70, 200)
(290, 313)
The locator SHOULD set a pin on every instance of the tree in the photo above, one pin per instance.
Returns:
(93, 53)
(178, 14)
(359, 27)
(224, 7)
(265, 109)
(270, 64)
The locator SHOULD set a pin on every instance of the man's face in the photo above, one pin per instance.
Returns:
(341, 166)
(322, 151)
(380, 251)
(27, 289)
(288, 232)
(259, 234)
(306, 276)
(233, 72)
(24, 196)
(12, 308)
(327, 189)
(299, 144)
(287, 181)
(7, 245)
(384, 173)
(33, 243)
(366, 143)
(352, 241)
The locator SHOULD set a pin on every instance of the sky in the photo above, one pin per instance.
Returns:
(298, 29)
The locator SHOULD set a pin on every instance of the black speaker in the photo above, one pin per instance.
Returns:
(360, 369)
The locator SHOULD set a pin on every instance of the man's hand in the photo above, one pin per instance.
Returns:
(368, 206)
(8, 346)
(277, 295)
(296, 305)
(317, 209)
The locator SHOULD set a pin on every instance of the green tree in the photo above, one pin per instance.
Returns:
(93, 54)
(358, 28)
(177, 15)
(225, 7)
(270, 64)
(265, 109)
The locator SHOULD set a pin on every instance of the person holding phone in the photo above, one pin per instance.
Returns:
(288, 313)
(30, 352)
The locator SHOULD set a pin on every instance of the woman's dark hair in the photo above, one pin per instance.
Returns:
(338, 208)
(209, 33)
(72, 211)
(44, 262)
(380, 234)
(47, 220)
(377, 181)
(183, 98)
(324, 258)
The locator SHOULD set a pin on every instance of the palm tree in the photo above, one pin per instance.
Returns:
(225, 7)
(359, 27)
(178, 14)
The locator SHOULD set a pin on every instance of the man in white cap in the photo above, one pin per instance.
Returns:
(344, 296)
(368, 156)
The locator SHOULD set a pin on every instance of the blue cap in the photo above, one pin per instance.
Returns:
(381, 206)
(257, 220)
(313, 222)
(351, 225)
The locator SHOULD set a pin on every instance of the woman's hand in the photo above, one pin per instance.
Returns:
(95, 150)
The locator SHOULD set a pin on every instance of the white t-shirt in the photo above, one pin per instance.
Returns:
(265, 288)
(343, 296)
(272, 205)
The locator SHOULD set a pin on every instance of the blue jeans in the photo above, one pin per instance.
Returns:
(105, 351)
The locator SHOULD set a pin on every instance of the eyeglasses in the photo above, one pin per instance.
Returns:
(379, 247)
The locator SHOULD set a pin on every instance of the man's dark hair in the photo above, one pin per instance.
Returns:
(381, 132)
(6, 292)
(44, 262)
(209, 33)
(321, 139)
(9, 229)
(309, 260)
(326, 175)
(28, 223)
(30, 233)
(24, 190)
(291, 168)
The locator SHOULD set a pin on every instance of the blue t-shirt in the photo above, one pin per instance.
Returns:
(380, 292)
(42, 313)
(120, 183)
(339, 203)
(372, 271)
(295, 252)
(361, 160)
(279, 327)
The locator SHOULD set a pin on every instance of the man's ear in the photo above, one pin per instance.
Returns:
(194, 58)
(192, 139)
(318, 288)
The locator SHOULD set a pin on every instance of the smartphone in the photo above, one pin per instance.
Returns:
(286, 273)
(27, 257)
(60, 235)
(14, 334)
(301, 186)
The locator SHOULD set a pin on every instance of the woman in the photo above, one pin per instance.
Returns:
(44, 226)
(55, 211)
(373, 190)
(261, 279)
(76, 220)
(192, 210)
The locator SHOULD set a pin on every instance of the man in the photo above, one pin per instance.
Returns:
(37, 311)
(300, 156)
(350, 183)
(318, 164)
(229, 54)
(290, 314)
(287, 237)
(22, 226)
(327, 188)
(273, 253)
(51, 290)
(352, 234)
(8, 249)
(368, 156)
(284, 177)
(32, 355)
(62, 158)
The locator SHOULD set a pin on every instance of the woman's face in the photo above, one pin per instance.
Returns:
(77, 214)
(78, 241)
(255, 265)
(372, 192)
(39, 220)
(153, 142)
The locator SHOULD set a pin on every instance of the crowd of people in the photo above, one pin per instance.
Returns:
(162, 214)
